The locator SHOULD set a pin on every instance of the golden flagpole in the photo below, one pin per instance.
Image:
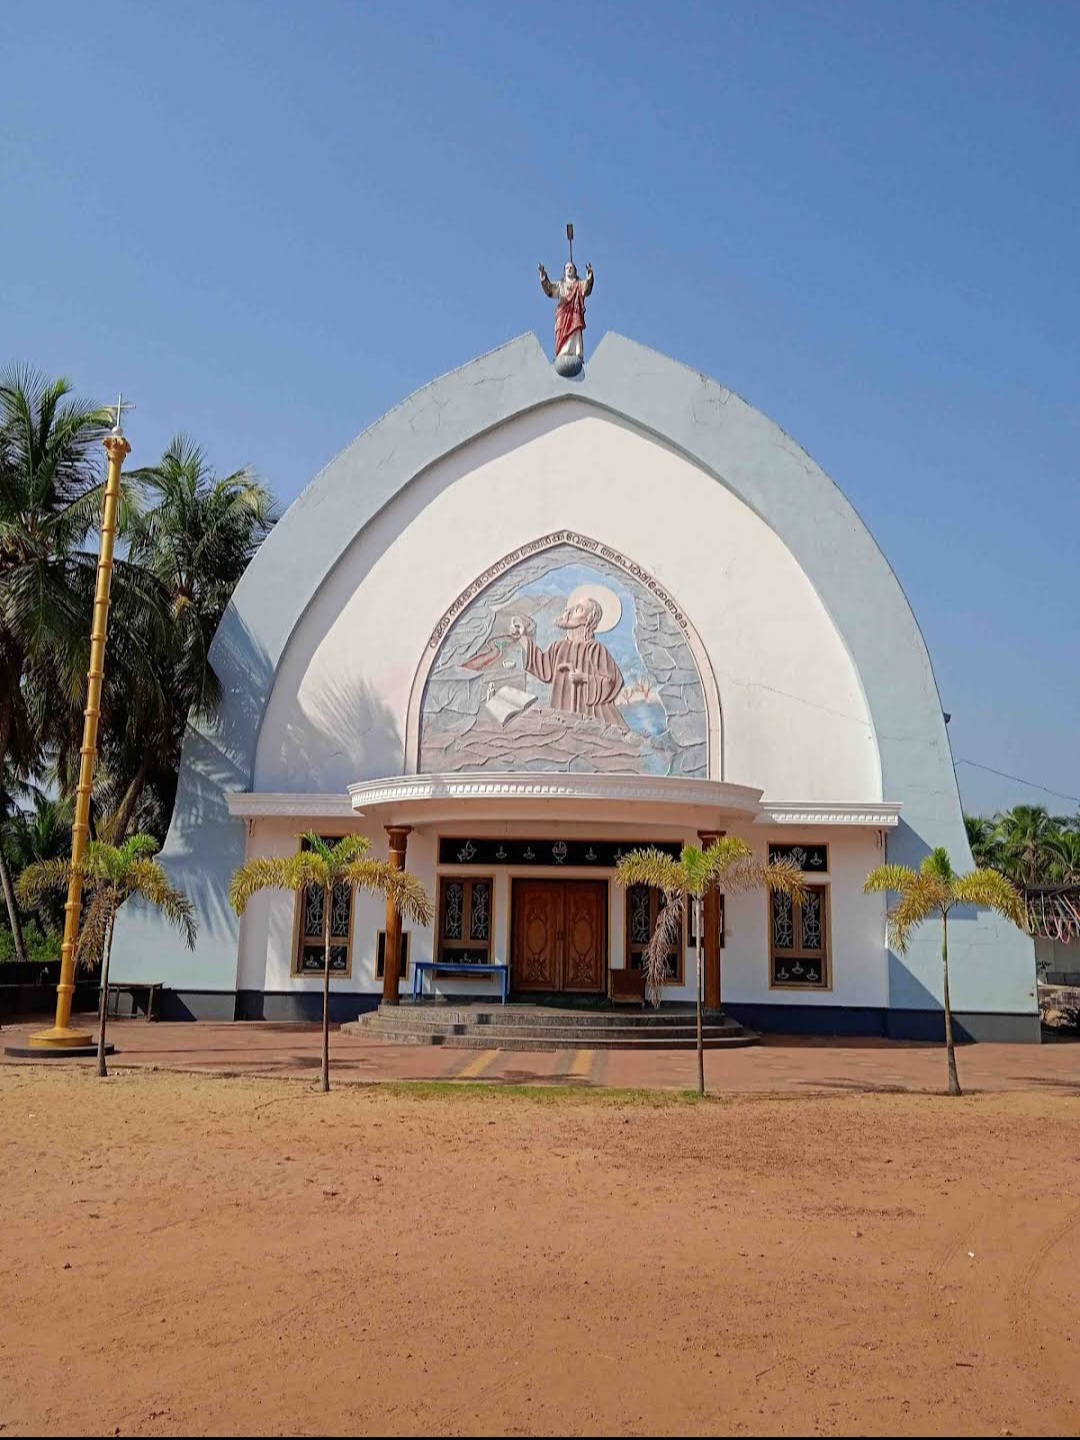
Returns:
(62, 1036)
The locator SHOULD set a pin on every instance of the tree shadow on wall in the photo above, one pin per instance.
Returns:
(344, 733)
(354, 735)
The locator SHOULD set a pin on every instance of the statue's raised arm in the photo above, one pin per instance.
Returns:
(589, 277)
(545, 284)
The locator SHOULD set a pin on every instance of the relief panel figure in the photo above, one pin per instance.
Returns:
(567, 663)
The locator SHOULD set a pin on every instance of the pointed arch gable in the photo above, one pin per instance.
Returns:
(669, 671)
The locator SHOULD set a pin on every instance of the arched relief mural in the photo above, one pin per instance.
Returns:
(565, 656)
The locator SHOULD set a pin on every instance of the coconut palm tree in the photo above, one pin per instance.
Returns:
(1063, 857)
(195, 535)
(1023, 834)
(11, 787)
(324, 866)
(936, 889)
(728, 864)
(112, 875)
(50, 498)
(985, 840)
(39, 832)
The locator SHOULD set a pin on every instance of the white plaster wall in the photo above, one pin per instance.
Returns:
(857, 950)
(795, 720)
(857, 956)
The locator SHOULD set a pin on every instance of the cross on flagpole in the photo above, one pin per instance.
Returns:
(118, 413)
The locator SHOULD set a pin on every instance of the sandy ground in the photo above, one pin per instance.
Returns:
(187, 1255)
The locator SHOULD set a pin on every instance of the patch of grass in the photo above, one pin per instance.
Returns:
(543, 1094)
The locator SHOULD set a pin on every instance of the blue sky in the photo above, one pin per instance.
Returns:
(268, 222)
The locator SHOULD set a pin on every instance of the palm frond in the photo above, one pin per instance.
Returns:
(266, 872)
(726, 852)
(650, 867)
(348, 849)
(938, 866)
(888, 877)
(44, 875)
(139, 847)
(990, 890)
(400, 886)
(918, 901)
(697, 868)
(98, 914)
(149, 881)
(667, 935)
(316, 845)
(782, 876)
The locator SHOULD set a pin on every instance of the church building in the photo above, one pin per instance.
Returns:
(534, 617)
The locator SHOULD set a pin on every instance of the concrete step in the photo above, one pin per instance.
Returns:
(544, 1040)
(539, 1027)
(535, 1016)
(569, 1034)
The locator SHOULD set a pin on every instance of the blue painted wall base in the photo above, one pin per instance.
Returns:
(844, 1020)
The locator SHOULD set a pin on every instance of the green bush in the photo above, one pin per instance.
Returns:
(41, 946)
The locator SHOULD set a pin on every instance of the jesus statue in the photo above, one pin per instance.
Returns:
(582, 672)
(570, 292)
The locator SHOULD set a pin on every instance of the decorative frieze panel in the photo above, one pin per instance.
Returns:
(568, 854)
(813, 859)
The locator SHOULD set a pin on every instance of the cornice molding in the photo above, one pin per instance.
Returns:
(714, 795)
(628, 789)
(248, 804)
(883, 815)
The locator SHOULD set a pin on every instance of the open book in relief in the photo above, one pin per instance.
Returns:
(508, 701)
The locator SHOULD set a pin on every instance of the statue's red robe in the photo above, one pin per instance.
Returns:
(569, 313)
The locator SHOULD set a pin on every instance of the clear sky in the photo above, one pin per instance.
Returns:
(268, 222)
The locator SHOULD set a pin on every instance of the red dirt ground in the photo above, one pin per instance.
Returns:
(187, 1255)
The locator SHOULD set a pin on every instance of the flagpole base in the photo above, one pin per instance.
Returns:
(32, 1050)
(60, 1037)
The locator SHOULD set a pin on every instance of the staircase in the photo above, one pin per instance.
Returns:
(540, 1027)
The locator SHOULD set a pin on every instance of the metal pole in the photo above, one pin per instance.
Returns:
(62, 1036)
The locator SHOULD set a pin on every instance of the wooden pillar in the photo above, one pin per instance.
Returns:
(711, 936)
(398, 836)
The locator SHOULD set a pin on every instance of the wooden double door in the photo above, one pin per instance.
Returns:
(559, 935)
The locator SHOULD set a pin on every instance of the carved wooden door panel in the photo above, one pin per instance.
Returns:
(559, 935)
(537, 923)
(584, 935)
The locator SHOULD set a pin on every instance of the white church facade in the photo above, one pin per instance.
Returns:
(529, 620)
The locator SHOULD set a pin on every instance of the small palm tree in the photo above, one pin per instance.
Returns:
(112, 874)
(936, 889)
(325, 866)
(727, 865)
